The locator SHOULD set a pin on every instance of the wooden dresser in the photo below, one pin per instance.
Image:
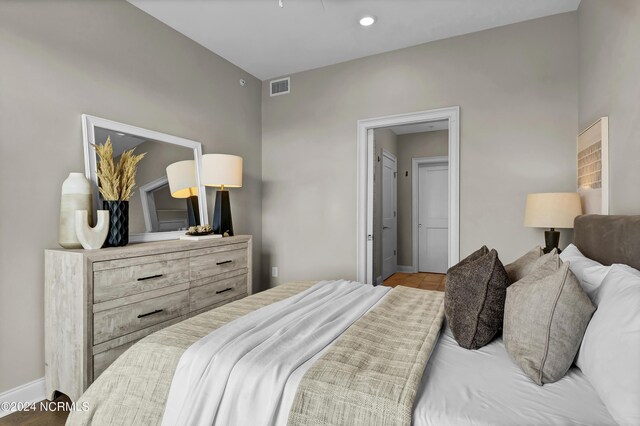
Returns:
(100, 302)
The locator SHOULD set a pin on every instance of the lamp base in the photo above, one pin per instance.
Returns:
(222, 214)
(551, 240)
(193, 211)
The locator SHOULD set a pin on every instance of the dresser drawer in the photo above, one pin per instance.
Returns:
(114, 283)
(217, 291)
(105, 353)
(212, 264)
(118, 321)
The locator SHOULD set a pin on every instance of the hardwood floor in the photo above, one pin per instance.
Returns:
(38, 417)
(423, 280)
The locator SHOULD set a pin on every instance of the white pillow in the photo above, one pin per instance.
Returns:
(579, 263)
(592, 278)
(609, 355)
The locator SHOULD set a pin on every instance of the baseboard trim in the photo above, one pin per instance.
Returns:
(26, 394)
(407, 269)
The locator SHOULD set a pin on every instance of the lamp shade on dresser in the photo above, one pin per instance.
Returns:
(222, 171)
(183, 183)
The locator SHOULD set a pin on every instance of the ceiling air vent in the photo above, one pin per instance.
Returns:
(280, 86)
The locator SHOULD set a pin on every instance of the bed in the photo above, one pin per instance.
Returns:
(455, 386)
(484, 387)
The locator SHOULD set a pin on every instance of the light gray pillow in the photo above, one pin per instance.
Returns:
(527, 263)
(546, 314)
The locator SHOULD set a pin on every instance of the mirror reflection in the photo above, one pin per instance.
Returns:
(152, 207)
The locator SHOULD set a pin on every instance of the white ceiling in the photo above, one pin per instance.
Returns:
(430, 126)
(268, 41)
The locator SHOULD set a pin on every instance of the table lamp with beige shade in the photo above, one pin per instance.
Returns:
(183, 183)
(552, 210)
(222, 171)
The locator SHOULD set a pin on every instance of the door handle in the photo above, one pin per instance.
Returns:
(386, 227)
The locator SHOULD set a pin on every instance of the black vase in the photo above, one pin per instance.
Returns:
(118, 223)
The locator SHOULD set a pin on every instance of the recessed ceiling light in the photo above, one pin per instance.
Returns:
(119, 134)
(366, 21)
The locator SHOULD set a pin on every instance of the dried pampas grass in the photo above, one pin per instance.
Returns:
(116, 182)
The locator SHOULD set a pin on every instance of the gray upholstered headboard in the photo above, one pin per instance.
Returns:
(609, 239)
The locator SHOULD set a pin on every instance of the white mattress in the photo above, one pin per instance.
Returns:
(484, 387)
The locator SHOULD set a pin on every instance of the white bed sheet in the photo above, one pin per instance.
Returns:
(484, 387)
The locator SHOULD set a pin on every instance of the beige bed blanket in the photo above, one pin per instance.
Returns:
(369, 376)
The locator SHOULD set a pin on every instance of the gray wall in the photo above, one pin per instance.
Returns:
(387, 140)
(609, 34)
(517, 89)
(105, 58)
(413, 145)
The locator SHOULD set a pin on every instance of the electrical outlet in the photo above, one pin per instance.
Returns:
(274, 271)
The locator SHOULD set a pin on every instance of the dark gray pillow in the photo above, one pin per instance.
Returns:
(546, 315)
(474, 298)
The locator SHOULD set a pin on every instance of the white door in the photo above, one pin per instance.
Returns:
(369, 279)
(433, 218)
(389, 216)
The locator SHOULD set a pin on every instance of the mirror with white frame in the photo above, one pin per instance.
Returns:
(154, 213)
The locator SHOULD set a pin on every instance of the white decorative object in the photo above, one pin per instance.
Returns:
(75, 195)
(92, 238)
(593, 167)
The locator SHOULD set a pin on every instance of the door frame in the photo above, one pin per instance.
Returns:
(365, 165)
(415, 186)
(149, 202)
(390, 156)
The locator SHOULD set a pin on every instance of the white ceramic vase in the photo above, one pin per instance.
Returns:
(92, 238)
(76, 195)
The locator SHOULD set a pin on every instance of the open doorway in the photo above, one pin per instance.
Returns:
(411, 209)
(408, 203)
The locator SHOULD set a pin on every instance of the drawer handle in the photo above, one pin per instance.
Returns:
(226, 289)
(157, 311)
(222, 263)
(150, 278)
